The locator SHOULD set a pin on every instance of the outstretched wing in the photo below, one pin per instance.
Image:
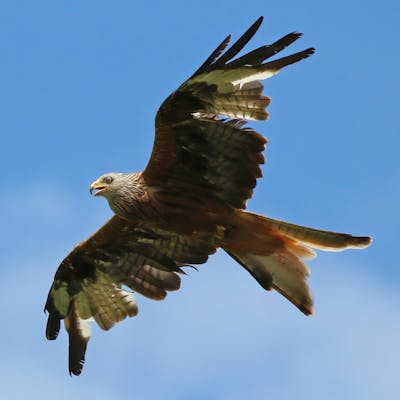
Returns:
(88, 282)
(194, 148)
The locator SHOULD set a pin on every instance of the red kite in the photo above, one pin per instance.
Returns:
(188, 202)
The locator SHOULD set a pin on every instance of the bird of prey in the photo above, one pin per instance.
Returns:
(189, 201)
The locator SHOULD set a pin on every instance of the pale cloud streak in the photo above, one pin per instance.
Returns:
(221, 334)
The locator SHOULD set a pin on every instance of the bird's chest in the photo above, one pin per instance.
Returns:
(133, 208)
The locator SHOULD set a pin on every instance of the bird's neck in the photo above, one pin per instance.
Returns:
(130, 198)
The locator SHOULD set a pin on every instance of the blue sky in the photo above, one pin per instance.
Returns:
(80, 84)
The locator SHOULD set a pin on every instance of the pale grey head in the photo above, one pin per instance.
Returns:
(121, 190)
(108, 185)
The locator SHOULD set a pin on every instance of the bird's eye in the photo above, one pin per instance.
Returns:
(108, 179)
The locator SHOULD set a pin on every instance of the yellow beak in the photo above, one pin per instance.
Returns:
(97, 187)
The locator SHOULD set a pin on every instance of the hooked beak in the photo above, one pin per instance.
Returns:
(98, 188)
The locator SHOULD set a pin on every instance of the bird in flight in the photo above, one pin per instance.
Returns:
(189, 201)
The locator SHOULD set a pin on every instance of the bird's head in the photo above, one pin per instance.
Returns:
(107, 184)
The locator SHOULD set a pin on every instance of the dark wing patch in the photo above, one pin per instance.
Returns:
(193, 144)
(221, 158)
(88, 283)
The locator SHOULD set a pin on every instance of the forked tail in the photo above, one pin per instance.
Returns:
(271, 250)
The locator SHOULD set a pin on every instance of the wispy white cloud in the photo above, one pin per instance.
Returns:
(220, 336)
(248, 343)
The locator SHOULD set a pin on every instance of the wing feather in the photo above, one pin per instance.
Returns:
(238, 45)
(88, 283)
(257, 56)
(213, 56)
